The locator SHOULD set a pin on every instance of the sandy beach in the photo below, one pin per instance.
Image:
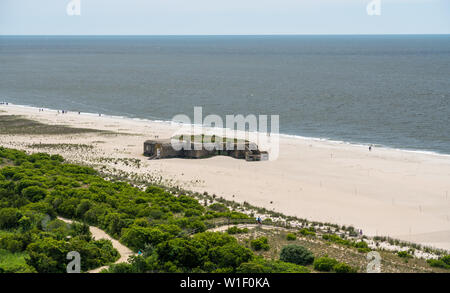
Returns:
(384, 192)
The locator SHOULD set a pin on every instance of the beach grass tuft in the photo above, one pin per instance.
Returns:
(17, 125)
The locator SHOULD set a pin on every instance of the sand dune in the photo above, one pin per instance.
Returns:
(384, 192)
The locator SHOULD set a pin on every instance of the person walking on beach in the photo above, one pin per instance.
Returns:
(370, 148)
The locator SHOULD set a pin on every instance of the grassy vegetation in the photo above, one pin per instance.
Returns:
(123, 161)
(167, 224)
(62, 146)
(236, 230)
(443, 262)
(170, 229)
(13, 124)
(351, 250)
(208, 138)
(349, 257)
(14, 262)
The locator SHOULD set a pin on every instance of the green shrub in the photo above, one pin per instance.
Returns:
(154, 190)
(166, 227)
(236, 230)
(343, 268)
(264, 266)
(362, 246)
(260, 243)
(291, 237)
(207, 252)
(325, 264)
(446, 259)
(296, 254)
(120, 268)
(307, 232)
(443, 262)
(14, 263)
(230, 255)
(9, 218)
(137, 237)
(34, 193)
(404, 254)
(218, 207)
(11, 243)
(337, 239)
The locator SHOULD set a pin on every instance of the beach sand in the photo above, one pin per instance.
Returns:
(384, 192)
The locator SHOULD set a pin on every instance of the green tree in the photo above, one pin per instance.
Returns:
(296, 254)
(260, 243)
(9, 218)
(136, 237)
(263, 266)
(230, 255)
(48, 255)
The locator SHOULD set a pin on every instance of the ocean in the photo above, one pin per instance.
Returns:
(391, 91)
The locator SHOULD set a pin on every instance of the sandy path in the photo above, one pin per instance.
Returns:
(384, 192)
(98, 234)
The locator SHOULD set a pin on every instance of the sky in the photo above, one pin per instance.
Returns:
(223, 17)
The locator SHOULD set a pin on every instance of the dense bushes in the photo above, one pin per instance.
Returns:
(230, 255)
(14, 263)
(41, 186)
(291, 237)
(327, 264)
(443, 262)
(137, 237)
(34, 193)
(404, 254)
(168, 229)
(307, 232)
(296, 254)
(48, 254)
(324, 264)
(260, 243)
(261, 266)
(218, 207)
(15, 242)
(236, 230)
(204, 252)
(362, 246)
(342, 268)
(9, 218)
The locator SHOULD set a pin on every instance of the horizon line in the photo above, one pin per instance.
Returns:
(199, 35)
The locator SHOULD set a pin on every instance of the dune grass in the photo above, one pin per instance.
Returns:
(14, 124)
(390, 261)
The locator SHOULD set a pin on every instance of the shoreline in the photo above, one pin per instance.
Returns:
(386, 192)
(281, 135)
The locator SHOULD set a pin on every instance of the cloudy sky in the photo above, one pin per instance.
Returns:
(161, 17)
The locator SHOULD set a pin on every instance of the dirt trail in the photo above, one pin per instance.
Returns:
(98, 234)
